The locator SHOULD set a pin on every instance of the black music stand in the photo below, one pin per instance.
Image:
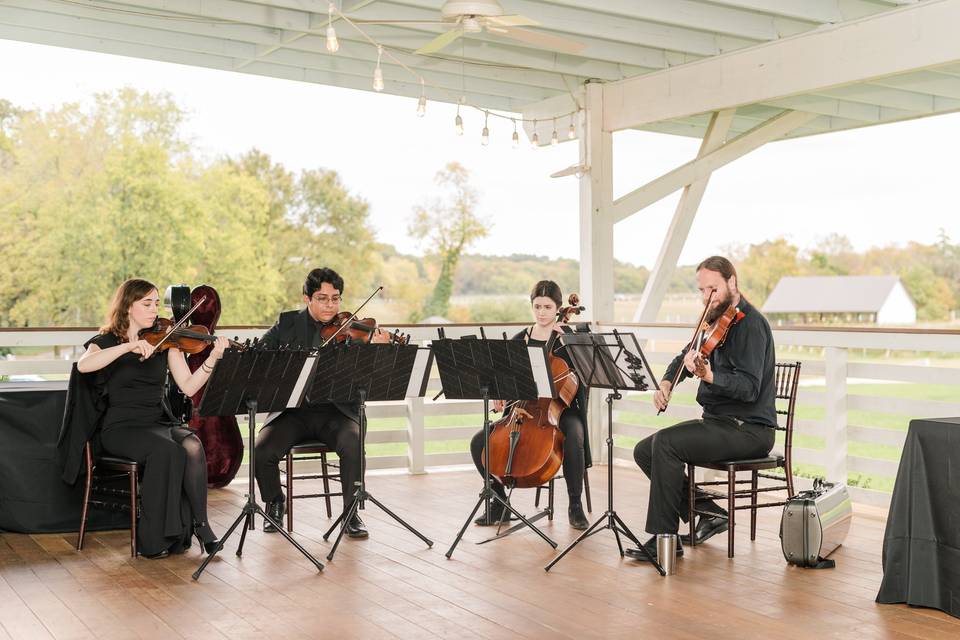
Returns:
(247, 382)
(472, 369)
(603, 361)
(362, 373)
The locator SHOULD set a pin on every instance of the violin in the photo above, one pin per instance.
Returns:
(345, 327)
(164, 334)
(526, 445)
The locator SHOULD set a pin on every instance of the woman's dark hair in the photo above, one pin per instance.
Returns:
(547, 289)
(317, 277)
(118, 315)
(720, 265)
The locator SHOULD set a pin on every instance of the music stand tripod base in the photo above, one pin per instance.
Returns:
(251, 509)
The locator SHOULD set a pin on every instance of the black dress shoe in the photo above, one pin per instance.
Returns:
(578, 519)
(707, 527)
(156, 556)
(275, 509)
(356, 528)
(651, 546)
(496, 514)
(205, 536)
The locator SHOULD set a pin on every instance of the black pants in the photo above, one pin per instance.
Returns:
(324, 423)
(663, 456)
(571, 426)
(173, 489)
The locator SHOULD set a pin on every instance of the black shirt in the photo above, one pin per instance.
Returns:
(134, 388)
(743, 372)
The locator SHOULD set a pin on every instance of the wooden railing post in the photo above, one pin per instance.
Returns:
(835, 419)
(416, 440)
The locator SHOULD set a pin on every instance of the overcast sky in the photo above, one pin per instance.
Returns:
(879, 185)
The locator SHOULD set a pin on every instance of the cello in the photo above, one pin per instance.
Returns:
(526, 445)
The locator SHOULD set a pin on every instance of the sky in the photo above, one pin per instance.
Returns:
(878, 186)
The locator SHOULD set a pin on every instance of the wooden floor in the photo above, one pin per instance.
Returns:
(392, 586)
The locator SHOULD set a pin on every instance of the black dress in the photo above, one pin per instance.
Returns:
(136, 426)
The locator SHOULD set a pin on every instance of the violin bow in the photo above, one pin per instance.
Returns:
(353, 315)
(696, 330)
(176, 326)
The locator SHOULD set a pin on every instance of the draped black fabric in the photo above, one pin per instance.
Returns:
(921, 545)
(33, 497)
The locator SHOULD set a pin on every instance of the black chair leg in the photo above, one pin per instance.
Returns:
(88, 483)
(731, 507)
(289, 492)
(133, 512)
(326, 483)
(691, 502)
(753, 506)
(586, 485)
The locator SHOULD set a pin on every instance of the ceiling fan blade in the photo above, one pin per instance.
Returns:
(512, 21)
(440, 42)
(544, 41)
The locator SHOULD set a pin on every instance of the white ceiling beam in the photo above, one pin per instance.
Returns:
(703, 166)
(932, 82)
(823, 11)
(897, 41)
(569, 22)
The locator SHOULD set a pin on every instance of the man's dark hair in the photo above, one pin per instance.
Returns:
(547, 289)
(720, 265)
(317, 277)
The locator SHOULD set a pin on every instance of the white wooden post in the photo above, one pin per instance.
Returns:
(596, 237)
(836, 414)
(416, 456)
(656, 288)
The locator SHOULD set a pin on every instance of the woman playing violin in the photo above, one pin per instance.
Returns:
(545, 301)
(335, 424)
(136, 426)
(736, 391)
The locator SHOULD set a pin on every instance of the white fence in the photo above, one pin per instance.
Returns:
(829, 365)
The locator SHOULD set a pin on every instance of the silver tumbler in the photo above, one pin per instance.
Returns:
(667, 552)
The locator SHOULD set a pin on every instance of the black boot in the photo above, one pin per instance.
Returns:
(578, 519)
(275, 509)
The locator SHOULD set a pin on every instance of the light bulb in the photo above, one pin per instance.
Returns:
(459, 125)
(554, 140)
(333, 45)
(378, 79)
(571, 132)
(516, 139)
(422, 106)
(485, 137)
(535, 141)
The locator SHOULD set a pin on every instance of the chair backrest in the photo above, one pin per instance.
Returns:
(786, 380)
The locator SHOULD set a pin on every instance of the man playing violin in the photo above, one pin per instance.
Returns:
(335, 424)
(737, 393)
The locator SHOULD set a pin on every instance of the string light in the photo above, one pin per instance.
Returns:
(422, 103)
(378, 72)
(333, 45)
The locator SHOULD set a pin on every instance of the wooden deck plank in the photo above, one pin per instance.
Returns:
(392, 586)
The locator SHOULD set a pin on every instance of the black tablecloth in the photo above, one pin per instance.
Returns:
(33, 498)
(921, 546)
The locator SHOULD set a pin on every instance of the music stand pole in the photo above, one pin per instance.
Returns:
(252, 508)
(610, 519)
(361, 492)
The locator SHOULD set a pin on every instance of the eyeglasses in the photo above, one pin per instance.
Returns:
(326, 299)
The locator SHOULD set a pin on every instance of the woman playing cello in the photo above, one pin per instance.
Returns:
(545, 301)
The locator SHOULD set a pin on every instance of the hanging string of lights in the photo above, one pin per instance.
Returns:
(333, 45)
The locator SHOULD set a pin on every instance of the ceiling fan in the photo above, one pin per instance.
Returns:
(474, 16)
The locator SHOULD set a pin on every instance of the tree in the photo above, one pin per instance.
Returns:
(763, 265)
(446, 227)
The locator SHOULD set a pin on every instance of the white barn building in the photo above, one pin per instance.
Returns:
(851, 299)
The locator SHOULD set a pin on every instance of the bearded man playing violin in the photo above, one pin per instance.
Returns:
(737, 393)
(335, 424)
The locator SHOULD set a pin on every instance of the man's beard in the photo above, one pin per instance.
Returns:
(720, 309)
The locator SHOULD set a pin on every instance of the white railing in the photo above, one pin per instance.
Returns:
(422, 433)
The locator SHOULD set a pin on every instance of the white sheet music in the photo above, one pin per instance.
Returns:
(296, 396)
(419, 373)
(541, 373)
